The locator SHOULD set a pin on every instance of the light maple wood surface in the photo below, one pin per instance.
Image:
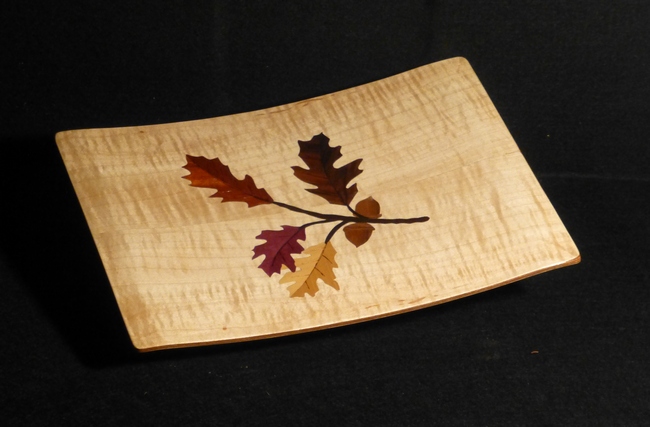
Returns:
(432, 144)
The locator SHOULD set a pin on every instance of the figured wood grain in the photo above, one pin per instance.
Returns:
(432, 144)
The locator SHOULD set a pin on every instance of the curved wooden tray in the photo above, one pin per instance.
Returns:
(431, 144)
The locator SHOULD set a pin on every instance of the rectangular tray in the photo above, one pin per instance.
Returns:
(431, 143)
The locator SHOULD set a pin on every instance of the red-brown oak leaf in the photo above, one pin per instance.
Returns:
(211, 173)
(331, 183)
(279, 246)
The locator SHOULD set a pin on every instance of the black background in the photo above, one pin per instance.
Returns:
(569, 347)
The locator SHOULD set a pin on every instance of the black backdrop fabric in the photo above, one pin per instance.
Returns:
(569, 347)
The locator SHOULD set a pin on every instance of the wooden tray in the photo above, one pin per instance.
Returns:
(431, 144)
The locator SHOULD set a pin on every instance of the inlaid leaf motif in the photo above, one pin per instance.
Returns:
(211, 173)
(279, 246)
(319, 264)
(331, 183)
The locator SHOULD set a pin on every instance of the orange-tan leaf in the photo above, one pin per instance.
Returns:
(358, 233)
(318, 264)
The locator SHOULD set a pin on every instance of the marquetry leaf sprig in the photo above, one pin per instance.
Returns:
(280, 246)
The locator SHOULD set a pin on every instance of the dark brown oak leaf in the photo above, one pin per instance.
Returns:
(211, 173)
(279, 246)
(319, 264)
(331, 183)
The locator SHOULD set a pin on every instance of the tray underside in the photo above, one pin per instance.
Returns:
(431, 143)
